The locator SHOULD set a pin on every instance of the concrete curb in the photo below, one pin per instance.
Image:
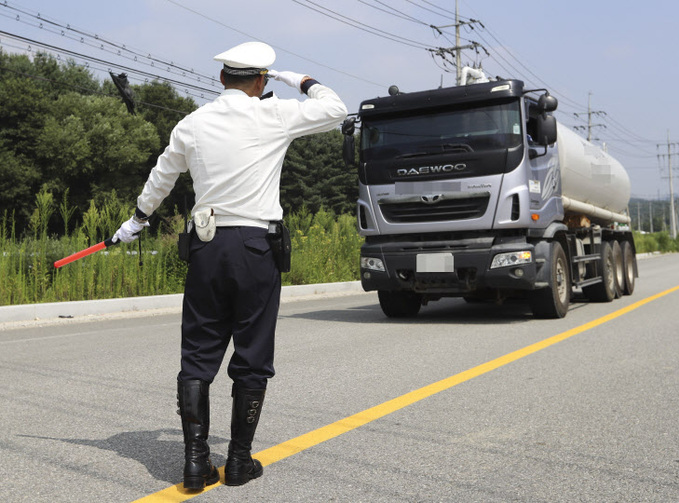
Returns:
(55, 310)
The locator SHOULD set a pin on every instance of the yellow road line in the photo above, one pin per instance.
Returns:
(177, 493)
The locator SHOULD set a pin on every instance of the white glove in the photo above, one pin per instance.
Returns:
(292, 79)
(129, 231)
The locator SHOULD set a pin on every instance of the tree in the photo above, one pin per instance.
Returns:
(314, 175)
(18, 181)
(161, 105)
(66, 136)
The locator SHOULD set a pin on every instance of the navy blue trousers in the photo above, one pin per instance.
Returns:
(232, 291)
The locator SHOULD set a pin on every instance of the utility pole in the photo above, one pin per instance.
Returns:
(639, 216)
(590, 112)
(673, 220)
(673, 215)
(456, 52)
(650, 214)
(458, 49)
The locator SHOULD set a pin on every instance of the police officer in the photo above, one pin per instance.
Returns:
(233, 148)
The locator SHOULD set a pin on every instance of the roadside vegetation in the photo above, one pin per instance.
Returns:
(325, 249)
(73, 160)
(655, 242)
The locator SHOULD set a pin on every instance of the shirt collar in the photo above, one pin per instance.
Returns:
(233, 92)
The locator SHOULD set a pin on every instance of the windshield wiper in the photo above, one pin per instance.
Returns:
(438, 148)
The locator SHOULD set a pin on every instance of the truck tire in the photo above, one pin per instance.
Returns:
(618, 268)
(628, 267)
(604, 291)
(399, 304)
(553, 301)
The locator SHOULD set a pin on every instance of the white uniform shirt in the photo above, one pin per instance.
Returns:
(234, 149)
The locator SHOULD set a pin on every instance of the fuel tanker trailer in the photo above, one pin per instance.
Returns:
(475, 191)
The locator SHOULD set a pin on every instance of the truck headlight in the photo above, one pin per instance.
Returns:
(511, 258)
(374, 264)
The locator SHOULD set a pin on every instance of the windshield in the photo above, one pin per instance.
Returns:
(476, 129)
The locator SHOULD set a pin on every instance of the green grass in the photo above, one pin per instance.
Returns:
(326, 248)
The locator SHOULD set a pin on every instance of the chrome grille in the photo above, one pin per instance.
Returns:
(448, 209)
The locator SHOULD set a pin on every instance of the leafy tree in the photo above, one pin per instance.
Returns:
(161, 105)
(56, 77)
(91, 145)
(22, 115)
(314, 175)
(66, 136)
(18, 179)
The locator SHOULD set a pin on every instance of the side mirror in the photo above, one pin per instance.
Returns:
(349, 145)
(546, 130)
(547, 103)
(546, 134)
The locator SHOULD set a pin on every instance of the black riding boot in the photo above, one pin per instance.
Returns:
(247, 405)
(194, 408)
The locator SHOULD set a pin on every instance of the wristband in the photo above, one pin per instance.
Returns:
(139, 216)
(306, 83)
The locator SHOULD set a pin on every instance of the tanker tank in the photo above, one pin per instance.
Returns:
(592, 182)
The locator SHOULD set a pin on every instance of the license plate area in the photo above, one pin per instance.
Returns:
(435, 262)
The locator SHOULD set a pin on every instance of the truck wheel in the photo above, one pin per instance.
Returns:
(619, 269)
(553, 301)
(628, 267)
(399, 304)
(604, 291)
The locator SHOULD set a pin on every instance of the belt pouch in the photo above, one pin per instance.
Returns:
(205, 224)
(279, 240)
(184, 242)
(184, 245)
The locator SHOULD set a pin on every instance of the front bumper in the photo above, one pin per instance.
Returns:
(471, 271)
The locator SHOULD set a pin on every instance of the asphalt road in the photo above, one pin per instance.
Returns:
(88, 408)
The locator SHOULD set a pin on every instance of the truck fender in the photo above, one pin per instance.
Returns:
(548, 232)
(543, 252)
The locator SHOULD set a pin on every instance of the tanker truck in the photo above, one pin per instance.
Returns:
(476, 191)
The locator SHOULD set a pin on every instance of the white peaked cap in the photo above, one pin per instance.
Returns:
(248, 55)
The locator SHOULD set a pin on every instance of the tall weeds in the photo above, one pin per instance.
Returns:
(326, 248)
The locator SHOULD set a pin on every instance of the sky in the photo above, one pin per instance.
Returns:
(617, 55)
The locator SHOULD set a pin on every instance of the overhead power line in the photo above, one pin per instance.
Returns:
(439, 10)
(360, 25)
(86, 90)
(67, 31)
(178, 75)
(108, 64)
(388, 9)
(323, 65)
(448, 56)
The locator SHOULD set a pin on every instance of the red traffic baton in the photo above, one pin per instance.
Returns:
(85, 252)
